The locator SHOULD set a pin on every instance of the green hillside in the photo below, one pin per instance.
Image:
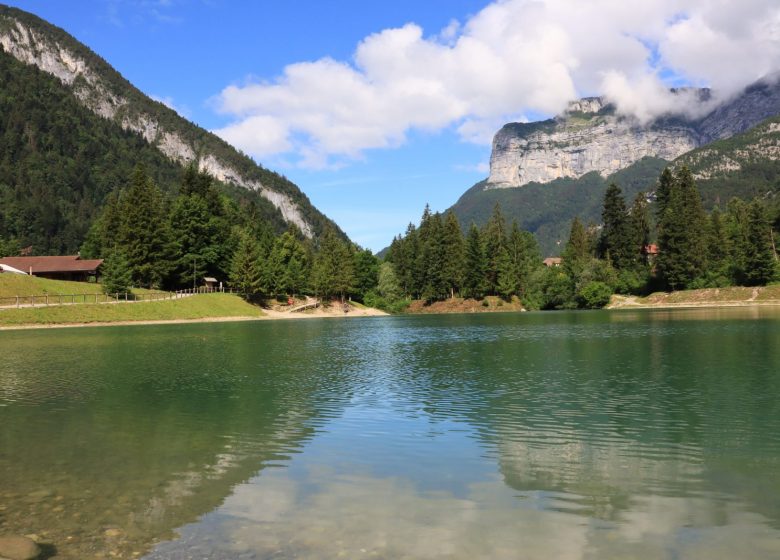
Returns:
(59, 160)
(547, 209)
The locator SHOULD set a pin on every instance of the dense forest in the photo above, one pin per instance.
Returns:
(669, 244)
(151, 240)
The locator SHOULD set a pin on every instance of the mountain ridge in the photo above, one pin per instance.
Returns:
(105, 92)
(592, 136)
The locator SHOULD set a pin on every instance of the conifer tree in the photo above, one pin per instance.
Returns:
(682, 233)
(718, 246)
(288, 264)
(759, 259)
(333, 272)
(616, 240)
(144, 232)
(576, 254)
(525, 256)
(639, 227)
(116, 274)
(494, 240)
(662, 193)
(454, 247)
(245, 274)
(476, 263)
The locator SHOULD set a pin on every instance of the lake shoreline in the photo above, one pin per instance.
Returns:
(269, 315)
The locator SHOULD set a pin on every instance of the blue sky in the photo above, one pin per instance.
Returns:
(376, 108)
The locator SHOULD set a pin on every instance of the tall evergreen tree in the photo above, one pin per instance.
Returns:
(662, 193)
(760, 259)
(616, 240)
(333, 272)
(576, 254)
(144, 233)
(288, 264)
(639, 228)
(682, 233)
(494, 240)
(476, 263)
(245, 274)
(454, 247)
(116, 276)
(525, 256)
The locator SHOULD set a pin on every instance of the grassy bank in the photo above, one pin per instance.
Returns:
(205, 306)
(710, 297)
(12, 285)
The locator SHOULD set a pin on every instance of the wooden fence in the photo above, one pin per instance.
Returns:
(43, 300)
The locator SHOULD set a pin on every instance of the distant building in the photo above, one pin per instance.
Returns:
(552, 261)
(211, 283)
(71, 267)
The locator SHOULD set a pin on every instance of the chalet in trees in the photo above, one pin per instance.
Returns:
(71, 267)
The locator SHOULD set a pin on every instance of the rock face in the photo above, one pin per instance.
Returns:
(590, 136)
(18, 548)
(29, 44)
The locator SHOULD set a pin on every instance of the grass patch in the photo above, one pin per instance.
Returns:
(195, 307)
(12, 285)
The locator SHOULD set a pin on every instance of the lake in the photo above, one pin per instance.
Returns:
(630, 434)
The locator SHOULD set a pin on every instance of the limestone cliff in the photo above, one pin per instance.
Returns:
(591, 136)
(106, 93)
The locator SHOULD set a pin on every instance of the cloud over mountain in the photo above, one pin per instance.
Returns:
(514, 58)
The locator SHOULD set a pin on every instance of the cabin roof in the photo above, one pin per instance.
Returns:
(67, 263)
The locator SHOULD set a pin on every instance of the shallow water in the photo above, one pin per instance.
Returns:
(646, 434)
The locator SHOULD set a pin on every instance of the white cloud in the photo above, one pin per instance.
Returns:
(514, 57)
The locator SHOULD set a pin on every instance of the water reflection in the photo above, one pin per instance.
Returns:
(567, 435)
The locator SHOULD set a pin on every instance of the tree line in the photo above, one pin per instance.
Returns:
(149, 240)
(666, 243)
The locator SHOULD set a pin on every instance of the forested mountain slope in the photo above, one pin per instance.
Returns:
(72, 128)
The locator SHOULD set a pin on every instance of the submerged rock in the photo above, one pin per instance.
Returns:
(18, 548)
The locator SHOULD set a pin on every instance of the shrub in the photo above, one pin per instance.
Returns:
(594, 295)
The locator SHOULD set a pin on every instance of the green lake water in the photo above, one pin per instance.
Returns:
(597, 435)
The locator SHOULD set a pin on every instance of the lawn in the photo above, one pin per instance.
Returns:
(194, 307)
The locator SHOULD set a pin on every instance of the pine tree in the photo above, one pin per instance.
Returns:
(494, 239)
(333, 272)
(476, 263)
(288, 264)
(576, 254)
(454, 247)
(759, 259)
(144, 233)
(508, 281)
(525, 256)
(718, 245)
(639, 227)
(116, 274)
(616, 240)
(432, 259)
(245, 274)
(682, 233)
(662, 193)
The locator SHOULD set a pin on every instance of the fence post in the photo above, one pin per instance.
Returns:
(17, 301)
